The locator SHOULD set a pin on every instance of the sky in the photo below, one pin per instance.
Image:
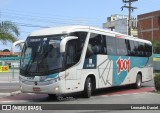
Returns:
(30, 15)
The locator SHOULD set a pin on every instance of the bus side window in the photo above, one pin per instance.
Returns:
(121, 47)
(96, 45)
(111, 45)
(71, 53)
(128, 47)
(141, 49)
(136, 48)
(132, 48)
(148, 50)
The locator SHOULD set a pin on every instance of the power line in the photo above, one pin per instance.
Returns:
(81, 20)
(30, 25)
(39, 20)
(50, 20)
(38, 15)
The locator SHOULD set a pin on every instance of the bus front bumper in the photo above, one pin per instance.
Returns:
(39, 87)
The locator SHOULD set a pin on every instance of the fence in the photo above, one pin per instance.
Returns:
(12, 75)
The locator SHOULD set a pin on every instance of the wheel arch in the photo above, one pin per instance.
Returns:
(140, 73)
(93, 79)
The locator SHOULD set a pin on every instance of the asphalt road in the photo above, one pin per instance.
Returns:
(117, 95)
(8, 77)
(9, 87)
(99, 95)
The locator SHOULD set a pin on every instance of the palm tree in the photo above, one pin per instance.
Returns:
(8, 32)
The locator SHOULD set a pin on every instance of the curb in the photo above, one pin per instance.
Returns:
(10, 94)
(9, 81)
(15, 93)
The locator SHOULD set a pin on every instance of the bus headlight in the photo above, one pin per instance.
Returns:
(56, 80)
(21, 79)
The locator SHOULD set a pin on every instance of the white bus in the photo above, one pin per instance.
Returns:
(69, 59)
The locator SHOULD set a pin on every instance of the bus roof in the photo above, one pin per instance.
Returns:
(68, 29)
(57, 30)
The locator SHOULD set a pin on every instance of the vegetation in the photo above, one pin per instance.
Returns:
(157, 81)
(8, 32)
(6, 50)
(156, 46)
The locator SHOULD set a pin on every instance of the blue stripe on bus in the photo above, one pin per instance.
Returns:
(118, 78)
(52, 75)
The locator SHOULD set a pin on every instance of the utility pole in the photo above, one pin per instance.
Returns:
(0, 15)
(130, 10)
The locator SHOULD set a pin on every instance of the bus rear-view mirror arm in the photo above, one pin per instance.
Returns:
(19, 42)
(64, 42)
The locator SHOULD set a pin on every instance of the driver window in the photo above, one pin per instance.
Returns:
(71, 53)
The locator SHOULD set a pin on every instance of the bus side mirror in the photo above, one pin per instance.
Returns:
(64, 42)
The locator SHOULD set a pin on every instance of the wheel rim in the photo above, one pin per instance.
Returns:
(89, 88)
(139, 82)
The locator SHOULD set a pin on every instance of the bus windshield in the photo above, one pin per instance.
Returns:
(41, 54)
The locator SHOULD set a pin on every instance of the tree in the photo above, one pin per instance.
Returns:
(8, 32)
(156, 46)
(6, 50)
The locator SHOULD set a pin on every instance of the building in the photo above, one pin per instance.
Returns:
(119, 23)
(8, 54)
(6, 58)
(149, 26)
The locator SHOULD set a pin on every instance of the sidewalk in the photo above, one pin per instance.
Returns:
(9, 83)
(9, 89)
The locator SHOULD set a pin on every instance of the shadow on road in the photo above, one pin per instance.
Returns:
(72, 97)
(75, 96)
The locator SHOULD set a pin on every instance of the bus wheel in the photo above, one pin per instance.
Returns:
(52, 96)
(138, 81)
(87, 88)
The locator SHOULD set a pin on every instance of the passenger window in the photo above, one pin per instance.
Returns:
(148, 50)
(96, 45)
(136, 48)
(141, 49)
(128, 47)
(121, 47)
(132, 48)
(111, 45)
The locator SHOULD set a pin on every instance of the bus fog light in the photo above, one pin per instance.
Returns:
(57, 88)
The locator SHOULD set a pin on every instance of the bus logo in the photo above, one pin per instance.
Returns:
(90, 63)
(123, 65)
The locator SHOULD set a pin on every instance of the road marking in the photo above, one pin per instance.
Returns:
(10, 94)
(31, 93)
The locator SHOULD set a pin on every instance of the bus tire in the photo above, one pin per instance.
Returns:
(87, 88)
(138, 81)
(52, 96)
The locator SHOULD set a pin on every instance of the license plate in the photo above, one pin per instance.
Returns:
(36, 89)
